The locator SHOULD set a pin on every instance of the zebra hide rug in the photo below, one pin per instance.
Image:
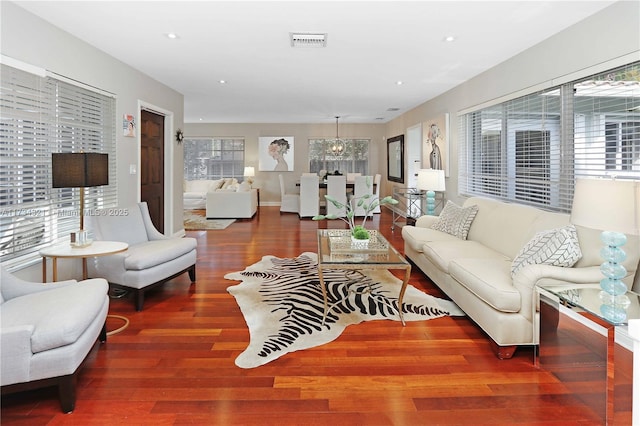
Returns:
(282, 303)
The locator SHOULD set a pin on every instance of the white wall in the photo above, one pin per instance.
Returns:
(600, 42)
(268, 181)
(32, 40)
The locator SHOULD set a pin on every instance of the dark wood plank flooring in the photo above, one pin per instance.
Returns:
(174, 364)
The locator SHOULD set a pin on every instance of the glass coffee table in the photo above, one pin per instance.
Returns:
(336, 252)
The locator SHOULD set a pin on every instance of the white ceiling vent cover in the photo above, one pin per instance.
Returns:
(308, 39)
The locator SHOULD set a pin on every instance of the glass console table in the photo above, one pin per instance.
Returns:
(412, 203)
(587, 351)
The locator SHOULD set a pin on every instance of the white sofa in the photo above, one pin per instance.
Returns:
(476, 273)
(230, 204)
(195, 192)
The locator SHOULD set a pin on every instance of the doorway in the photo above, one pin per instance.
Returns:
(152, 165)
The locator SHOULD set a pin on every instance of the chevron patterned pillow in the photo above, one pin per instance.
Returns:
(558, 247)
(455, 220)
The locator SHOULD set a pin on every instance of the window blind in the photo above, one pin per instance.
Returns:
(531, 149)
(38, 116)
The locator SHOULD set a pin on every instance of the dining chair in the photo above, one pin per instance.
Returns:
(376, 190)
(337, 188)
(309, 196)
(289, 203)
(351, 177)
(363, 186)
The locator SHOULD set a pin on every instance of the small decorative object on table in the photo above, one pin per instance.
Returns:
(368, 202)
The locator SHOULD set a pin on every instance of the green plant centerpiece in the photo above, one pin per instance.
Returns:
(367, 202)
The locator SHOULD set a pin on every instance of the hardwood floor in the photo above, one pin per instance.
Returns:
(174, 364)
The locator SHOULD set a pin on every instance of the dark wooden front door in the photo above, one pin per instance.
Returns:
(152, 166)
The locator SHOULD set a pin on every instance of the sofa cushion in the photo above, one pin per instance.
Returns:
(244, 186)
(557, 247)
(490, 280)
(151, 253)
(59, 316)
(442, 253)
(416, 236)
(130, 231)
(456, 220)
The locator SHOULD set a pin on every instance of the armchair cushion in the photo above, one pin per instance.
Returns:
(72, 310)
(128, 227)
(152, 253)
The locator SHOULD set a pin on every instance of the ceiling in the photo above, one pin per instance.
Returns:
(371, 46)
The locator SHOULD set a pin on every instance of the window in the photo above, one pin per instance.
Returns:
(532, 148)
(213, 158)
(40, 115)
(354, 159)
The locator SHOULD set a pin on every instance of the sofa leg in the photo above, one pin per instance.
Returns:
(103, 333)
(139, 299)
(503, 352)
(67, 392)
(192, 273)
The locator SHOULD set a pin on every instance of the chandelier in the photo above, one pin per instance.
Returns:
(337, 145)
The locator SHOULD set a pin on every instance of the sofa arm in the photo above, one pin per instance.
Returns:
(16, 354)
(526, 280)
(426, 221)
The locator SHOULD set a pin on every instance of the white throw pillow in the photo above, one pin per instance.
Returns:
(455, 220)
(558, 247)
(244, 187)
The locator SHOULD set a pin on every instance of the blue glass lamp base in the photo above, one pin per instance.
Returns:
(431, 203)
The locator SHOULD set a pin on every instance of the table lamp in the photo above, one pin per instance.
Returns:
(431, 180)
(249, 173)
(79, 170)
(610, 205)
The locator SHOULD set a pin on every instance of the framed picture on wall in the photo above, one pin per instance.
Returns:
(275, 153)
(435, 133)
(395, 159)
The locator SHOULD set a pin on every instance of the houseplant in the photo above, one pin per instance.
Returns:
(367, 202)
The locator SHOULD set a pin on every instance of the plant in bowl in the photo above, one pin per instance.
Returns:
(368, 202)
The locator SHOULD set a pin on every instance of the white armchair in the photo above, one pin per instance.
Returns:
(46, 332)
(152, 258)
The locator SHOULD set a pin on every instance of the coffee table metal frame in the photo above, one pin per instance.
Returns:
(358, 260)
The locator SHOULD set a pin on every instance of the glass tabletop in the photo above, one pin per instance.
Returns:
(591, 299)
(334, 247)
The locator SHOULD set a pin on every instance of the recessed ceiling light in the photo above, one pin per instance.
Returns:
(172, 36)
(393, 109)
(449, 38)
(222, 81)
(399, 82)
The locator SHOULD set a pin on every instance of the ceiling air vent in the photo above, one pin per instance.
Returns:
(308, 39)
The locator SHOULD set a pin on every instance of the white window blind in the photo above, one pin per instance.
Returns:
(39, 116)
(531, 149)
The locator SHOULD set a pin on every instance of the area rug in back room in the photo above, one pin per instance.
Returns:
(282, 304)
(194, 221)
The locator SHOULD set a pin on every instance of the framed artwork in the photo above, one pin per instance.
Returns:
(128, 126)
(435, 133)
(395, 159)
(275, 153)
